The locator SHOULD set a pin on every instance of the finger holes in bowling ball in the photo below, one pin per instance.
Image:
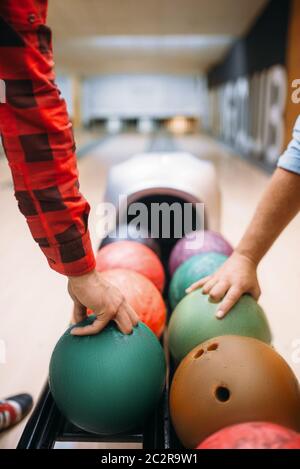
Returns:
(222, 394)
(212, 347)
(199, 353)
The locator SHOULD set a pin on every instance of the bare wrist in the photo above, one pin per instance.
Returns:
(248, 255)
(89, 277)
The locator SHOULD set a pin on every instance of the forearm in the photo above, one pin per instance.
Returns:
(38, 140)
(279, 205)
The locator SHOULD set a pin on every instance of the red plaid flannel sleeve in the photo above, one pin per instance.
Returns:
(38, 140)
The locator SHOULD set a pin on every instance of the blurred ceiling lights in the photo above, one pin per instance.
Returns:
(178, 42)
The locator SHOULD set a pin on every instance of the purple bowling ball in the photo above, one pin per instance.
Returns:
(213, 242)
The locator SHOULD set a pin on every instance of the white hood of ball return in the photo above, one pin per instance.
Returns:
(176, 173)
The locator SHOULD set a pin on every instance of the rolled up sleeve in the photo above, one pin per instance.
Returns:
(290, 160)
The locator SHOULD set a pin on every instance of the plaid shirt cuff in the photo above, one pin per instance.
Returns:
(74, 258)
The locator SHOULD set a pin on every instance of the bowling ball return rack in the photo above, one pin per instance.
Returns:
(47, 426)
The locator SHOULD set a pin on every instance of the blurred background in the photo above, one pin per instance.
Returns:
(211, 77)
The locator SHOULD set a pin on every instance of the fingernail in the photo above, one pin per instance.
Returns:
(219, 314)
(188, 290)
(73, 331)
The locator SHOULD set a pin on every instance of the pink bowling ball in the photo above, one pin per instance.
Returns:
(195, 244)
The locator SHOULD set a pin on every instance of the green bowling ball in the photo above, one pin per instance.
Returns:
(193, 269)
(193, 321)
(107, 383)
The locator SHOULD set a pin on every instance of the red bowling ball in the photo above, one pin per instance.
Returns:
(133, 256)
(142, 296)
(253, 435)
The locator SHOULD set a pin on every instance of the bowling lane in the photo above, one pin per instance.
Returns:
(242, 185)
(93, 170)
(117, 148)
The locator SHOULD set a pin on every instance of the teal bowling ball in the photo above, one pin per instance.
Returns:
(193, 321)
(107, 383)
(193, 269)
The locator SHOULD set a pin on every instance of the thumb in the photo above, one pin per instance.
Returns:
(255, 292)
(97, 326)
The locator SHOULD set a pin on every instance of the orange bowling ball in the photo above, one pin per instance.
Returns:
(229, 380)
(133, 256)
(142, 296)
